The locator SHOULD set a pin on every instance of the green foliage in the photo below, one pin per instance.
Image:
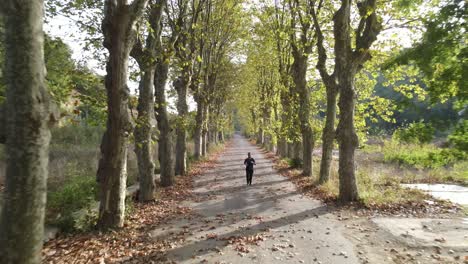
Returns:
(92, 107)
(60, 67)
(75, 89)
(459, 138)
(421, 155)
(442, 53)
(416, 133)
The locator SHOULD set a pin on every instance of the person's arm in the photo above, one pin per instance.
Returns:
(245, 161)
(254, 161)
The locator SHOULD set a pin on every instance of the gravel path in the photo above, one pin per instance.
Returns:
(268, 222)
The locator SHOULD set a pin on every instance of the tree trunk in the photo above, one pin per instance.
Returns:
(299, 77)
(204, 143)
(165, 140)
(215, 136)
(205, 131)
(307, 148)
(143, 141)
(198, 130)
(118, 25)
(260, 136)
(282, 147)
(328, 136)
(3, 116)
(181, 86)
(290, 150)
(347, 139)
(297, 150)
(346, 68)
(27, 134)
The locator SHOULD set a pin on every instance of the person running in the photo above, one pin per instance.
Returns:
(249, 163)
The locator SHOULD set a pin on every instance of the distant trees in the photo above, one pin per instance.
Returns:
(304, 23)
(186, 52)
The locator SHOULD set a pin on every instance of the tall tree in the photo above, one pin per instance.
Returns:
(175, 18)
(301, 45)
(119, 29)
(349, 59)
(283, 54)
(220, 22)
(328, 134)
(145, 56)
(30, 114)
(186, 54)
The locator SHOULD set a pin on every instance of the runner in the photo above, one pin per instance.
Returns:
(249, 163)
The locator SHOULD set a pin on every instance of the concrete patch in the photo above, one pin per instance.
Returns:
(454, 193)
(427, 232)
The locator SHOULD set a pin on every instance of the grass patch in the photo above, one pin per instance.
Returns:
(457, 174)
(383, 190)
(378, 184)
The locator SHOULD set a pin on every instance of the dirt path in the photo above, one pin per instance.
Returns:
(268, 222)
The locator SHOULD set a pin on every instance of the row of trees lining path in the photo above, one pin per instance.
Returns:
(189, 38)
(205, 48)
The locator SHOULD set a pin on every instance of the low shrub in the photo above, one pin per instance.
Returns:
(415, 133)
(295, 163)
(72, 207)
(459, 138)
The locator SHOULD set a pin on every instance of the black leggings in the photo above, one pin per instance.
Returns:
(249, 174)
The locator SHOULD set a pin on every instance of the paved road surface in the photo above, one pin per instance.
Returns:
(286, 227)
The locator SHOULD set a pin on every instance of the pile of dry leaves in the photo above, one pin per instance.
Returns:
(241, 243)
(133, 243)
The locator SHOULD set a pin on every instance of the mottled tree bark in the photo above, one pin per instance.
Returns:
(166, 158)
(143, 140)
(3, 116)
(328, 136)
(348, 141)
(346, 134)
(290, 150)
(197, 137)
(297, 150)
(282, 147)
(260, 136)
(221, 136)
(204, 142)
(118, 29)
(348, 62)
(299, 70)
(27, 131)
(145, 57)
(181, 86)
